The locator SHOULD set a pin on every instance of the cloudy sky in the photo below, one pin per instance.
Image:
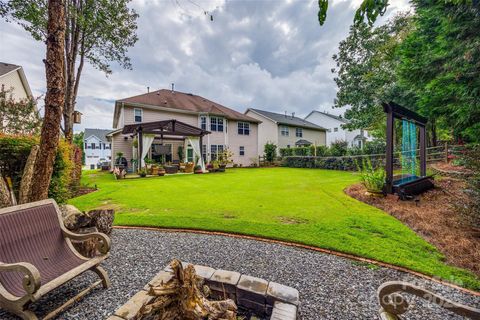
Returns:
(268, 54)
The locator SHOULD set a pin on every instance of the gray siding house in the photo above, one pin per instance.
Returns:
(285, 130)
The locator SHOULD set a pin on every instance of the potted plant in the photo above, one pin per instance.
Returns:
(161, 171)
(171, 168)
(224, 158)
(149, 164)
(142, 173)
(198, 169)
(215, 166)
(154, 169)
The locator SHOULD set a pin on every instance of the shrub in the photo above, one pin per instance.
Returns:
(270, 151)
(338, 148)
(14, 151)
(372, 179)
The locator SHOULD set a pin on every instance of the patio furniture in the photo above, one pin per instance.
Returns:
(171, 169)
(189, 167)
(37, 256)
(393, 304)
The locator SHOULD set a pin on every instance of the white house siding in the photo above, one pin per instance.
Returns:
(267, 131)
(120, 144)
(13, 80)
(316, 137)
(249, 142)
(99, 154)
(332, 123)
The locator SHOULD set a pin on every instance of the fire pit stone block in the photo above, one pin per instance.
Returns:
(223, 284)
(204, 272)
(161, 277)
(282, 293)
(129, 310)
(284, 311)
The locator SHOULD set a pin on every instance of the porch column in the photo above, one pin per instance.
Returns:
(140, 148)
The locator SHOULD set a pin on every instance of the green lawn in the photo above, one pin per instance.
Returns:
(301, 205)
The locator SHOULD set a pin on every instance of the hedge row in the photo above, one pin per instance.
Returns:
(336, 149)
(14, 151)
(333, 163)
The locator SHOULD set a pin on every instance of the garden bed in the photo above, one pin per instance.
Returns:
(435, 216)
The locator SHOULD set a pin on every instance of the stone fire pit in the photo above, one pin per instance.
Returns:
(265, 299)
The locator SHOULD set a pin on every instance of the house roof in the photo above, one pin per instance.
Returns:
(287, 119)
(7, 68)
(339, 118)
(303, 142)
(165, 127)
(99, 133)
(185, 102)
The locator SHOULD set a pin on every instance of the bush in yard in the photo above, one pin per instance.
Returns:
(286, 152)
(270, 151)
(338, 148)
(14, 151)
(372, 179)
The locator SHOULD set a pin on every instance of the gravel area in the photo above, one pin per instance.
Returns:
(330, 287)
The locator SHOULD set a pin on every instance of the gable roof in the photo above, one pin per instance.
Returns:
(7, 68)
(287, 119)
(338, 118)
(186, 102)
(99, 133)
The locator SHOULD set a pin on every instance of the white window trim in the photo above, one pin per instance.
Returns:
(240, 150)
(297, 130)
(245, 125)
(141, 114)
(285, 133)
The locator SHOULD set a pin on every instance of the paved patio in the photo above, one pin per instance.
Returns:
(330, 287)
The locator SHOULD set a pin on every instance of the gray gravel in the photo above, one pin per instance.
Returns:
(330, 287)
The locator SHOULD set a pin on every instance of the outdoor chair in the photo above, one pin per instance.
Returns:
(37, 256)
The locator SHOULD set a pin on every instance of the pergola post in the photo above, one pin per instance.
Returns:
(201, 148)
(423, 151)
(140, 148)
(389, 151)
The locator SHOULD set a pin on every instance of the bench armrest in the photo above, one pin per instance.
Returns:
(31, 280)
(103, 245)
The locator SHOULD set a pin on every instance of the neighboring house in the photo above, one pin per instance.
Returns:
(13, 78)
(97, 148)
(227, 128)
(286, 131)
(335, 132)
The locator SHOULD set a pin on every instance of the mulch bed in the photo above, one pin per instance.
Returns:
(435, 216)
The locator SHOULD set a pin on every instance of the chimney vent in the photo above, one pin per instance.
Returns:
(173, 87)
(293, 115)
(148, 89)
(285, 114)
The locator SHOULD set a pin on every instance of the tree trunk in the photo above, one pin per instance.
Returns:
(27, 177)
(54, 100)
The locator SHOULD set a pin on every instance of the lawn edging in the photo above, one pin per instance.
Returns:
(307, 247)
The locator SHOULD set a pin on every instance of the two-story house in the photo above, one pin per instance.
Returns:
(14, 82)
(96, 147)
(285, 131)
(227, 128)
(336, 132)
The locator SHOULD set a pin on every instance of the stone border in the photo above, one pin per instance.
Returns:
(265, 298)
(452, 174)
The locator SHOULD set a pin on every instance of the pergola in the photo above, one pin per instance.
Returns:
(166, 129)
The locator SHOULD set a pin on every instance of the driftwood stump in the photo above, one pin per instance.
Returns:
(5, 199)
(102, 220)
(27, 176)
(184, 298)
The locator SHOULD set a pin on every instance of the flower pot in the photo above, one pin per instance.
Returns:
(221, 167)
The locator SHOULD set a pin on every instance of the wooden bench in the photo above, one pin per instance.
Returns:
(37, 256)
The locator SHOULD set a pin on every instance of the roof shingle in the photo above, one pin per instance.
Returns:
(186, 101)
(287, 119)
(7, 67)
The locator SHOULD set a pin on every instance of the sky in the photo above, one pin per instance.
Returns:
(265, 54)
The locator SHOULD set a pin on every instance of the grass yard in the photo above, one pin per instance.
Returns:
(299, 205)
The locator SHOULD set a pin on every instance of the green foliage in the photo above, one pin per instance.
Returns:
(18, 116)
(338, 148)
(180, 153)
(369, 8)
(373, 179)
(14, 151)
(270, 151)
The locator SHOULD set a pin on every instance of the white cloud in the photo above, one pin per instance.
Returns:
(264, 54)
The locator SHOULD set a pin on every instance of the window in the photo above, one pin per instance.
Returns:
(204, 152)
(108, 146)
(298, 132)
(242, 151)
(86, 145)
(244, 128)
(138, 114)
(216, 124)
(284, 131)
(329, 130)
(203, 122)
(335, 129)
(215, 150)
(92, 145)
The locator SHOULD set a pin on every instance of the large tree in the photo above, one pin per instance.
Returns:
(365, 71)
(54, 100)
(97, 31)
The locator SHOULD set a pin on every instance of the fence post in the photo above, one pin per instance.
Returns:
(446, 152)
